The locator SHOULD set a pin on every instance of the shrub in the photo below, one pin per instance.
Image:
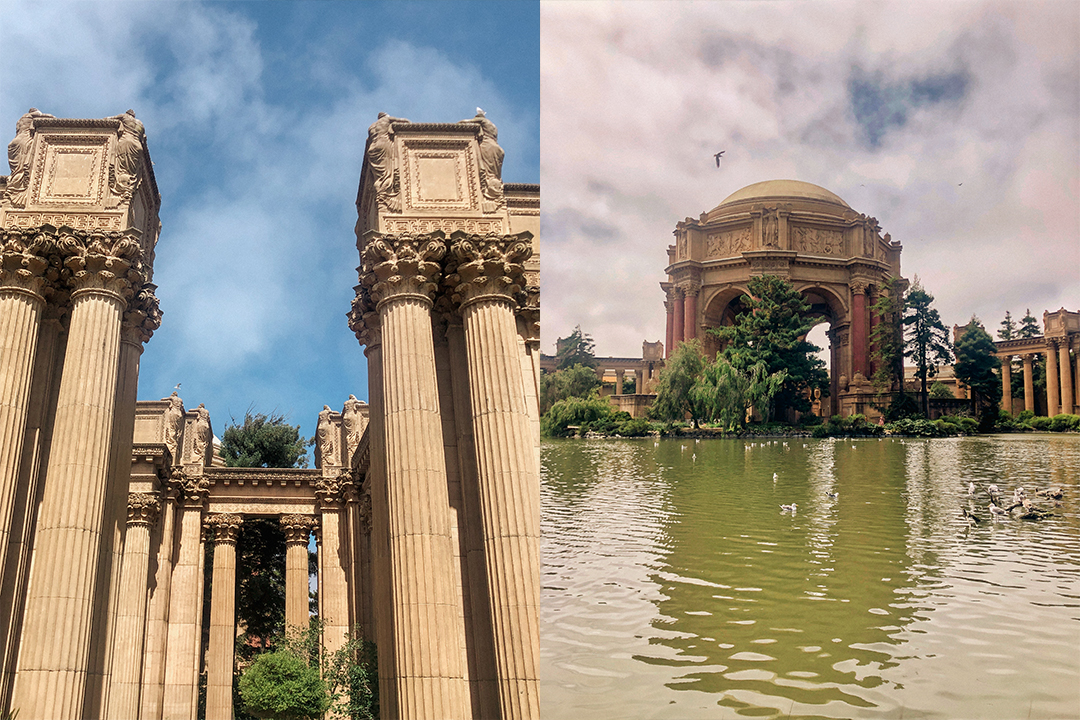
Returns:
(917, 427)
(282, 686)
(637, 427)
(1025, 416)
(1040, 423)
(1064, 422)
(574, 411)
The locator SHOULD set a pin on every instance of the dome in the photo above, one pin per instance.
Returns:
(783, 190)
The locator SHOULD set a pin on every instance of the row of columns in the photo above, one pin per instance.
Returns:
(421, 673)
(1062, 379)
(620, 375)
(681, 305)
(70, 471)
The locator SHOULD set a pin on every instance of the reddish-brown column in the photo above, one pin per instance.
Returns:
(669, 336)
(858, 329)
(680, 315)
(690, 315)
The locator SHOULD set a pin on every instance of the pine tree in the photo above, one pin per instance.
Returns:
(577, 349)
(927, 338)
(976, 363)
(887, 338)
(1029, 327)
(1008, 327)
(772, 332)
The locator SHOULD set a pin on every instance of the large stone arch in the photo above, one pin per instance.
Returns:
(832, 254)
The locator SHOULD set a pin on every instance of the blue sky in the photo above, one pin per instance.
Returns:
(256, 115)
(956, 124)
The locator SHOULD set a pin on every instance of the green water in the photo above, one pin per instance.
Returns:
(676, 587)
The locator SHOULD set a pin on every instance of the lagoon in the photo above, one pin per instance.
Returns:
(674, 586)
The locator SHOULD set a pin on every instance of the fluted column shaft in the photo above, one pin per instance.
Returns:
(690, 315)
(858, 330)
(20, 322)
(1029, 384)
(185, 617)
(157, 616)
(123, 698)
(669, 332)
(1053, 406)
(1065, 370)
(51, 680)
(509, 498)
(680, 320)
(219, 656)
(429, 675)
(297, 532)
(333, 592)
(1006, 384)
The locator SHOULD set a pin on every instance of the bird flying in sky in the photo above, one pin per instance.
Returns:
(718, 156)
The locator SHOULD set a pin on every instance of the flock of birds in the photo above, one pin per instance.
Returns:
(1020, 506)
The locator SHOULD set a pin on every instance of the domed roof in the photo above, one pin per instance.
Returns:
(782, 190)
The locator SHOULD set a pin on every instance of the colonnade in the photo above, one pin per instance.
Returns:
(1062, 376)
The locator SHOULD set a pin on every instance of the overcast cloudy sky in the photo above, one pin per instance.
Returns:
(256, 115)
(889, 105)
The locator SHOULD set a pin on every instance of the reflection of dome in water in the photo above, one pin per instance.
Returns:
(795, 192)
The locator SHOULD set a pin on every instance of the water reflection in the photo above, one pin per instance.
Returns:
(675, 587)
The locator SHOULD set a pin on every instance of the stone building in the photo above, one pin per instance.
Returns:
(1059, 345)
(424, 503)
(834, 256)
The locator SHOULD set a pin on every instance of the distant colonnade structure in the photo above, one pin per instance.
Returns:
(425, 503)
(1060, 346)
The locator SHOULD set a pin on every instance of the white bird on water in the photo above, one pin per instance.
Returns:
(971, 488)
(791, 507)
(775, 477)
(995, 510)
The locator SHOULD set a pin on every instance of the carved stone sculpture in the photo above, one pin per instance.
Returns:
(325, 446)
(353, 420)
(770, 228)
(201, 435)
(129, 152)
(173, 421)
(19, 157)
(491, 158)
(383, 161)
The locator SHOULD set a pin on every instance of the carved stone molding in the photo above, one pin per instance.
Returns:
(330, 491)
(30, 261)
(365, 513)
(488, 266)
(193, 487)
(143, 508)
(729, 243)
(298, 528)
(224, 527)
(405, 265)
(859, 287)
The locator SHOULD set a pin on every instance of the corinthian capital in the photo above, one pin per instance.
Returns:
(142, 508)
(225, 527)
(28, 261)
(143, 316)
(297, 528)
(108, 261)
(488, 266)
(401, 265)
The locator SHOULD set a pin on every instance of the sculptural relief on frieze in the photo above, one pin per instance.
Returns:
(818, 241)
(382, 158)
(728, 243)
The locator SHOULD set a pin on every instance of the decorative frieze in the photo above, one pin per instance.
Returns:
(728, 243)
(818, 241)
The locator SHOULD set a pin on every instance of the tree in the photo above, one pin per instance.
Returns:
(941, 391)
(674, 400)
(576, 381)
(725, 393)
(283, 686)
(1008, 327)
(887, 338)
(578, 349)
(976, 362)
(926, 337)
(1029, 327)
(263, 441)
(773, 331)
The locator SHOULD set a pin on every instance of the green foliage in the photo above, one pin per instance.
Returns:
(629, 385)
(573, 411)
(1029, 327)
(575, 381)
(635, 427)
(903, 405)
(1040, 423)
(916, 427)
(1025, 415)
(283, 686)
(260, 587)
(926, 337)
(852, 426)
(725, 394)
(940, 391)
(772, 332)
(682, 369)
(887, 338)
(578, 349)
(1065, 423)
(957, 424)
(1008, 327)
(263, 441)
(976, 364)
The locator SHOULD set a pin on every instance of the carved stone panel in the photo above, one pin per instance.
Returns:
(71, 171)
(439, 175)
(819, 241)
(728, 243)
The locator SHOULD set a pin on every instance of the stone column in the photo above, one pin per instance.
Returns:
(185, 607)
(157, 613)
(690, 313)
(333, 590)
(619, 375)
(400, 273)
(123, 700)
(297, 533)
(680, 319)
(56, 639)
(1053, 406)
(639, 382)
(487, 279)
(22, 284)
(1006, 384)
(669, 334)
(1065, 370)
(1076, 376)
(871, 364)
(1029, 384)
(219, 657)
(858, 329)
